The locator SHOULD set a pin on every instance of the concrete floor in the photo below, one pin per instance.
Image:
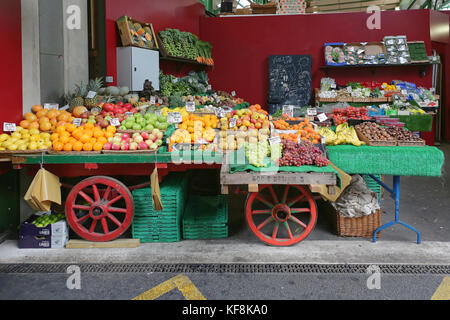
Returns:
(424, 204)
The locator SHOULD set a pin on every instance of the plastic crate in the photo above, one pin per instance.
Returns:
(206, 217)
(372, 184)
(160, 226)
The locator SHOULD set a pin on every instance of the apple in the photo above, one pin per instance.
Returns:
(148, 142)
(153, 146)
(143, 146)
(134, 146)
(107, 146)
(110, 140)
(126, 136)
(125, 146)
(145, 135)
(116, 146)
(151, 137)
(138, 139)
(136, 134)
(159, 142)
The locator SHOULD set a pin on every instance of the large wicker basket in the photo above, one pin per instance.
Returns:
(358, 227)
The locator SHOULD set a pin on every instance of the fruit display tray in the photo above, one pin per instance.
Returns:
(420, 143)
(72, 152)
(129, 151)
(375, 143)
(23, 151)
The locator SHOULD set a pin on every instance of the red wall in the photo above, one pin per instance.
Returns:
(10, 62)
(242, 46)
(178, 14)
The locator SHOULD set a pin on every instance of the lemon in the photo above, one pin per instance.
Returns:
(26, 136)
(33, 146)
(34, 138)
(12, 147)
(19, 129)
(13, 140)
(16, 135)
(2, 149)
(34, 132)
(24, 131)
(4, 137)
(22, 147)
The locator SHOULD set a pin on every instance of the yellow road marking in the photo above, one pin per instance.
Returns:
(186, 287)
(443, 291)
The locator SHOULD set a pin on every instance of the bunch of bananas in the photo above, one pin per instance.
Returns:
(344, 135)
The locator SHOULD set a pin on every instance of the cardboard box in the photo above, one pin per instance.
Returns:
(52, 236)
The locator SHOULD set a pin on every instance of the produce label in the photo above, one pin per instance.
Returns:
(115, 122)
(233, 93)
(322, 117)
(91, 95)
(77, 121)
(190, 106)
(51, 106)
(232, 122)
(311, 111)
(288, 110)
(158, 112)
(129, 114)
(219, 112)
(275, 140)
(152, 100)
(9, 127)
(174, 117)
(209, 87)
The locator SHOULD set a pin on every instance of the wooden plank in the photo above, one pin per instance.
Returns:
(119, 243)
(224, 189)
(253, 188)
(240, 178)
(315, 188)
(321, 3)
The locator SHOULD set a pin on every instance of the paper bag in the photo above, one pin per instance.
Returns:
(345, 181)
(44, 189)
(156, 194)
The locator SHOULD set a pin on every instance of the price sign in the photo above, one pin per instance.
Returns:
(322, 117)
(404, 92)
(129, 114)
(115, 122)
(274, 140)
(219, 112)
(50, 106)
(288, 110)
(160, 101)
(175, 80)
(152, 100)
(311, 111)
(91, 95)
(209, 87)
(333, 86)
(190, 106)
(174, 117)
(9, 127)
(232, 122)
(432, 90)
(158, 112)
(233, 93)
(77, 122)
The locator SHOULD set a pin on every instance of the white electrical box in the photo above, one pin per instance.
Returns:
(135, 65)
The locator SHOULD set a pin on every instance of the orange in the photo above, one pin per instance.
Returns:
(77, 146)
(52, 114)
(60, 129)
(64, 117)
(89, 125)
(109, 134)
(77, 134)
(70, 127)
(98, 133)
(45, 126)
(54, 137)
(29, 116)
(44, 119)
(111, 129)
(87, 146)
(93, 140)
(61, 124)
(25, 124)
(34, 125)
(36, 108)
(102, 140)
(65, 134)
(85, 138)
(72, 140)
(58, 146)
(89, 132)
(98, 146)
(68, 147)
(41, 113)
(64, 139)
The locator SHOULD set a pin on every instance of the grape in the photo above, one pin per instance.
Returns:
(305, 153)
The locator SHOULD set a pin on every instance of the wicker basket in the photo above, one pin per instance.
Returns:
(358, 227)
(268, 8)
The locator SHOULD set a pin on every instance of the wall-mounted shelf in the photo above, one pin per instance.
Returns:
(421, 66)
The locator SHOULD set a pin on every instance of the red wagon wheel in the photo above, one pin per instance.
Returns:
(281, 215)
(99, 209)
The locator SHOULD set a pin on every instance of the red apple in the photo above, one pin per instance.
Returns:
(143, 146)
(107, 146)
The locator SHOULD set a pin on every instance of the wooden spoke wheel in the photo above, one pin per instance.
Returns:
(99, 209)
(281, 215)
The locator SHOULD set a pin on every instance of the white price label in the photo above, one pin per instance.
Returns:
(77, 121)
(349, 89)
(91, 95)
(333, 86)
(158, 112)
(115, 122)
(232, 122)
(152, 100)
(274, 140)
(322, 117)
(311, 111)
(233, 93)
(404, 92)
(160, 101)
(51, 106)
(174, 117)
(190, 106)
(209, 87)
(288, 110)
(129, 114)
(219, 112)
(9, 127)
(432, 90)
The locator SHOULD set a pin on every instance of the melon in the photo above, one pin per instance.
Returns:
(112, 91)
(123, 91)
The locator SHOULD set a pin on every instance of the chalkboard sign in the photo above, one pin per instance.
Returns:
(289, 80)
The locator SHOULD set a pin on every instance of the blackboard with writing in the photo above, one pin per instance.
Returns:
(289, 80)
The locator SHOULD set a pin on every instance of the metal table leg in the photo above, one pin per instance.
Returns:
(395, 194)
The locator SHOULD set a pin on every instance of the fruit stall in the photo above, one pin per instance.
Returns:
(113, 160)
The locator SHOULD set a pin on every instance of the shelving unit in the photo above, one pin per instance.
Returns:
(422, 67)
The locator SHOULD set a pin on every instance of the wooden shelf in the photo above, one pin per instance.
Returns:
(373, 67)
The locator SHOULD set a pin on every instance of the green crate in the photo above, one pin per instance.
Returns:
(372, 184)
(160, 226)
(206, 217)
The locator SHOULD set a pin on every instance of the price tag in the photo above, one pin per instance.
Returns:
(115, 122)
(322, 117)
(152, 100)
(77, 121)
(51, 106)
(158, 112)
(432, 90)
(209, 87)
(91, 95)
(311, 111)
(288, 110)
(9, 127)
(349, 89)
(232, 122)
(129, 114)
(190, 106)
(404, 92)
(274, 140)
(233, 93)
(174, 117)
(160, 101)
(175, 80)
(218, 112)
(333, 86)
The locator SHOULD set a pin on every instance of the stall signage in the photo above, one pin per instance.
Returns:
(115, 122)
(77, 121)
(129, 114)
(322, 117)
(152, 100)
(311, 111)
(288, 110)
(50, 106)
(91, 95)
(9, 127)
(232, 122)
(190, 106)
(274, 140)
(174, 117)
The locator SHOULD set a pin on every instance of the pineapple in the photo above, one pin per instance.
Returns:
(78, 96)
(93, 85)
